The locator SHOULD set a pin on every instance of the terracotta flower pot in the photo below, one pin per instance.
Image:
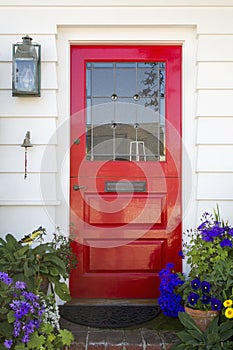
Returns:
(200, 317)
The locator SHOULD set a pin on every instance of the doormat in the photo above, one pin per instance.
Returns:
(109, 316)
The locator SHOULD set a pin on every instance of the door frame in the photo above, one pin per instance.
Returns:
(150, 35)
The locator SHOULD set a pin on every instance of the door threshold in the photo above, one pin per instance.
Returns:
(91, 301)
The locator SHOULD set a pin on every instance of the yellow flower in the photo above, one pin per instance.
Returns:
(229, 312)
(227, 303)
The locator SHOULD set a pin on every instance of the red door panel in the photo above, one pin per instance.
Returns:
(125, 168)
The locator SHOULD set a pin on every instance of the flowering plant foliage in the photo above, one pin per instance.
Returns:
(63, 247)
(169, 301)
(210, 242)
(21, 313)
(200, 295)
(29, 321)
(209, 254)
(177, 291)
(51, 311)
(42, 260)
(49, 336)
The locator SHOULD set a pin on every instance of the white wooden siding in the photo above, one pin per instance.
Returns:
(37, 187)
(215, 75)
(215, 131)
(32, 200)
(121, 3)
(215, 123)
(204, 27)
(215, 103)
(215, 158)
(41, 159)
(215, 47)
(215, 187)
(13, 130)
(45, 106)
(23, 219)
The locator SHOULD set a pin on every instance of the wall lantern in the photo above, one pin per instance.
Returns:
(26, 68)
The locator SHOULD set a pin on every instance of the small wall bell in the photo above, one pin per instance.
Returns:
(26, 143)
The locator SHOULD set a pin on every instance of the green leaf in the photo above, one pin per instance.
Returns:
(25, 268)
(184, 336)
(212, 338)
(54, 259)
(2, 241)
(225, 326)
(3, 310)
(188, 322)
(20, 347)
(47, 328)
(216, 347)
(179, 347)
(36, 341)
(6, 329)
(21, 252)
(31, 272)
(54, 271)
(10, 316)
(197, 335)
(213, 326)
(61, 290)
(12, 243)
(227, 335)
(66, 336)
(44, 270)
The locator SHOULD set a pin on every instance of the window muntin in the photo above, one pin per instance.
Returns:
(125, 111)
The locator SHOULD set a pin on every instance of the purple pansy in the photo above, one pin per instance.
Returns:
(195, 283)
(193, 298)
(205, 286)
(216, 304)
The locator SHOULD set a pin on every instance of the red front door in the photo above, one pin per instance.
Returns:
(125, 174)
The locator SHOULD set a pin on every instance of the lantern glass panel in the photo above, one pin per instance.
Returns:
(25, 75)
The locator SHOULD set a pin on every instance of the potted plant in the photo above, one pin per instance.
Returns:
(216, 336)
(209, 254)
(34, 260)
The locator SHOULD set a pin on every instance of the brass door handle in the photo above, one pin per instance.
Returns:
(77, 187)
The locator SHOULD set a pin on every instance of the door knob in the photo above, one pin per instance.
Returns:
(77, 187)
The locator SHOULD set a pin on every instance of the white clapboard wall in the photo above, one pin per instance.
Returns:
(203, 27)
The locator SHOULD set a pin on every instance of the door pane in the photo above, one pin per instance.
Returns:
(126, 111)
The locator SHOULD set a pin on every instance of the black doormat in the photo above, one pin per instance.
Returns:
(109, 316)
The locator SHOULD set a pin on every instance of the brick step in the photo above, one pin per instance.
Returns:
(87, 338)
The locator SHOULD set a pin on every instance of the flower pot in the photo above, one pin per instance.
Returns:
(200, 317)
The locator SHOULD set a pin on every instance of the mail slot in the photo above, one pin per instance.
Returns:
(125, 186)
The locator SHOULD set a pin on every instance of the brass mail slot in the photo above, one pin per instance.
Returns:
(125, 186)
